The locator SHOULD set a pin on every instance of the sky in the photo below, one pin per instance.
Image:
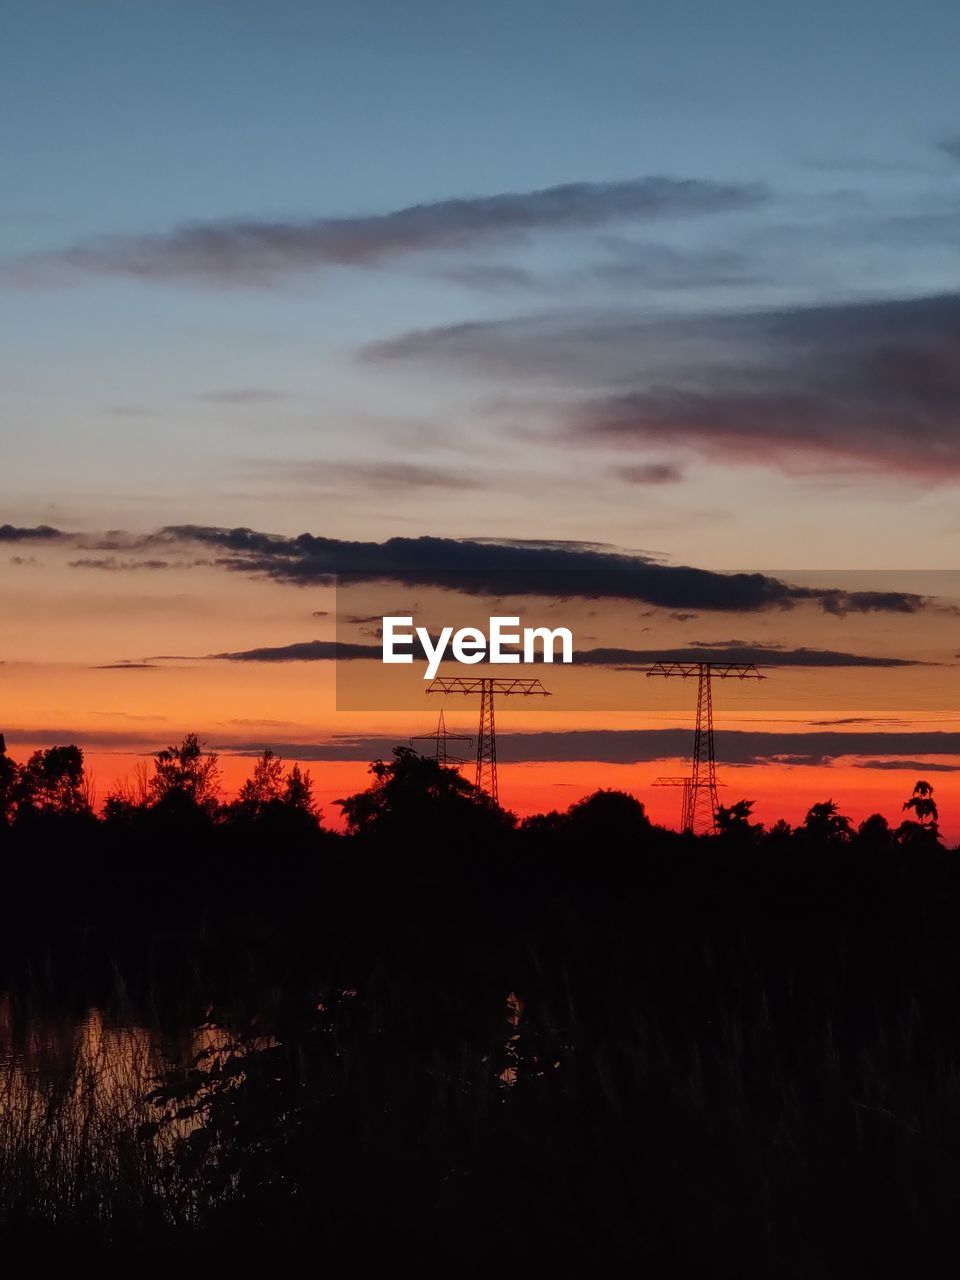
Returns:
(675, 282)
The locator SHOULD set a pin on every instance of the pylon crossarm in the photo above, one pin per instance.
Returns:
(678, 782)
(715, 670)
(477, 684)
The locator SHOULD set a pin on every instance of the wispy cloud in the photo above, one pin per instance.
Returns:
(649, 473)
(253, 252)
(368, 477)
(617, 263)
(865, 386)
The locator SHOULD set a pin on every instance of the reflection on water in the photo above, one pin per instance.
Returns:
(72, 1091)
(76, 1125)
(508, 1076)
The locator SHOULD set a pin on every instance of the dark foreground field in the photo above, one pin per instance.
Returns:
(583, 1043)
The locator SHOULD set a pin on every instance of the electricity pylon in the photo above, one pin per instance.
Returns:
(684, 795)
(441, 738)
(685, 816)
(487, 686)
(700, 799)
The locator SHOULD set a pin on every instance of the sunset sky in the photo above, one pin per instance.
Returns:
(555, 299)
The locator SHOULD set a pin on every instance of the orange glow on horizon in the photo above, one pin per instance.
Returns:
(779, 791)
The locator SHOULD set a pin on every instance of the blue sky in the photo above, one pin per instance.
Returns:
(677, 278)
(126, 115)
(135, 397)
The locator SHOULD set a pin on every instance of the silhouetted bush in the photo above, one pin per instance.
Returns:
(466, 1043)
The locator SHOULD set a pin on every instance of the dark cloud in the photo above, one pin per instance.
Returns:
(761, 655)
(306, 651)
(39, 533)
(110, 564)
(847, 720)
(557, 544)
(795, 759)
(45, 736)
(616, 658)
(650, 473)
(487, 569)
(868, 602)
(864, 386)
(126, 666)
(951, 146)
(640, 746)
(910, 766)
(261, 252)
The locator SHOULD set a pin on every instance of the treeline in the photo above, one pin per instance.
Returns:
(457, 1038)
(184, 782)
(409, 794)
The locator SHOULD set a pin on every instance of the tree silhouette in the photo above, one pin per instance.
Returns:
(874, 832)
(825, 822)
(298, 791)
(269, 795)
(925, 829)
(734, 821)
(609, 816)
(186, 776)
(264, 785)
(53, 782)
(922, 803)
(9, 777)
(416, 794)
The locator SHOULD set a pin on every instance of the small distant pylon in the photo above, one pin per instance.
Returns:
(684, 796)
(701, 801)
(686, 811)
(440, 739)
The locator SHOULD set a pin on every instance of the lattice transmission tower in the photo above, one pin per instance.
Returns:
(440, 739)
(685, 785)
(700, 801)
(487, 686)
